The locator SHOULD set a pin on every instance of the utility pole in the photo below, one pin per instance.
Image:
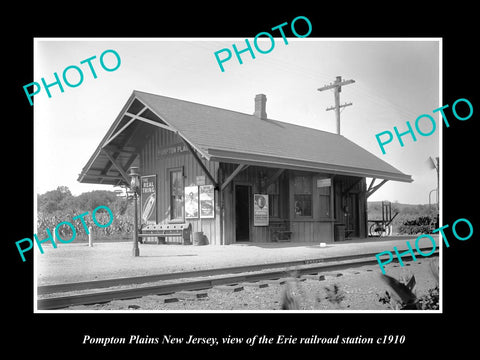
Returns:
(436, 166)
(337, 86)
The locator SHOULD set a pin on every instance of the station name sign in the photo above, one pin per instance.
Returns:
(172, 150)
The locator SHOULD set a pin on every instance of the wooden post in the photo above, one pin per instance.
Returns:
(337, 104)
(90, 237)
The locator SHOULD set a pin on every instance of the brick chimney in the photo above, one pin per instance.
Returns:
(260, 106)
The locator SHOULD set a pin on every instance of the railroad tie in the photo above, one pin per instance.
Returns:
(256, 284)
(292, 278)
(191, 294)
(230, 287)
(314, 277)
(280, 281)
(170, 299)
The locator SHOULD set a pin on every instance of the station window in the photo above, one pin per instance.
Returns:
(324, 193)
(273, 200)
(176, 194)
(302, 196)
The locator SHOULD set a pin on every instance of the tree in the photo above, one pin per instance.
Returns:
(54, 200)
(90, 200)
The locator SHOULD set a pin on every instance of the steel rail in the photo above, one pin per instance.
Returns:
(188, 284)
(125, 281)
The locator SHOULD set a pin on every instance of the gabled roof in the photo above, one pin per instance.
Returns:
(230, 136)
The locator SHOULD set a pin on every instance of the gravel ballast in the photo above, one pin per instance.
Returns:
(358, 289)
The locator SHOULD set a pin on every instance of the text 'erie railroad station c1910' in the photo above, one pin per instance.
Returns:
(238, 177)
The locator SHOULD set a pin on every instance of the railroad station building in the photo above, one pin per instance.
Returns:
(238, 177)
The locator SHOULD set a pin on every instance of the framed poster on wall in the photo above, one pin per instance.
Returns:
(260, 210)
(148, 199)
(191, 202)
(207, 202)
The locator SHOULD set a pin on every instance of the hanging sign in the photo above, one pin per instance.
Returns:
(207, 201)
(148, 199)
(324, 182)
(191, 202)
(260, 210)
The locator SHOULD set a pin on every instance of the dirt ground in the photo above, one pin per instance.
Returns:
(71, 263)
(360, 289)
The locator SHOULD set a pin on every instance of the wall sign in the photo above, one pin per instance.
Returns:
(200, 179)
(207, 202)
(324, 182)
(191, 202)
(260, 210)
(148, 199)
(172, 150)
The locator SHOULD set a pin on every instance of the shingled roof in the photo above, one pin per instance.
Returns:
(229, 136)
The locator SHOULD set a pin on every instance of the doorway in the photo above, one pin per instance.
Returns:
(242, 212)
(352, 215)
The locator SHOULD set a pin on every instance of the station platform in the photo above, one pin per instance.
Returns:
(77, 262)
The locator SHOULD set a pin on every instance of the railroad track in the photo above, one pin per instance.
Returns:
(166, 284)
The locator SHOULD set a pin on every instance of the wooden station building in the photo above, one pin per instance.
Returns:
(238, 177)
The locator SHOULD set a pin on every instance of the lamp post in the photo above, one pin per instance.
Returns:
(134, 186)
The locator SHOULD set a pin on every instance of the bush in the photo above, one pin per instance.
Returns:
(418, 225)
(404, 296)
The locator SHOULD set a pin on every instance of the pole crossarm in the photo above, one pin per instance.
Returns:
(337, 87)
(336, 84)
(334, 107)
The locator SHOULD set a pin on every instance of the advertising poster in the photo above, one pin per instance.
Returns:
(207, 205)
(191, 202)
(260, 210)
(148, 199)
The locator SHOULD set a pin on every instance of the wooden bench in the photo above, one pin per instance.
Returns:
(280, 231)
(348, 232)
(167, 230)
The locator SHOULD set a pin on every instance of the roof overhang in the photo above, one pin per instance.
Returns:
(121, 146)
(123, 142)
(303, 165)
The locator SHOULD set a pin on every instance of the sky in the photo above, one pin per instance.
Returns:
(396, 80)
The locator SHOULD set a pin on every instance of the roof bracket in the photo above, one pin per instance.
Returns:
(200, 162)
(274, 177)
(371, 184)
(151, 122)
(371, 189)
(232, 176)
(344, 193)
(119, 168)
